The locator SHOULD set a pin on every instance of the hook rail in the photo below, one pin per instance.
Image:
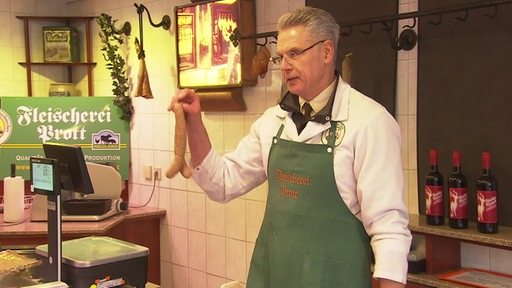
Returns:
(408, 34)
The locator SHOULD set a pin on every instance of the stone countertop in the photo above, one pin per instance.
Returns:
(433, 281)
(87, 227)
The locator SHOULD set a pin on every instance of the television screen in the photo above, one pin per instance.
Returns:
(74, 175)
(205, 54)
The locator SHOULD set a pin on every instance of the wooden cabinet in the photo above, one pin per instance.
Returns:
(442, 248)
(32, 60)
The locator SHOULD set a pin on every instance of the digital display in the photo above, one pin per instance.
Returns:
(44, 173)
(42, 176)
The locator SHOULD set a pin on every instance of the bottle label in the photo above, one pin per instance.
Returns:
(434, 200)
(458, 203)
(487, 203)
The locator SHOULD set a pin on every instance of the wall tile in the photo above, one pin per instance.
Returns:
(501, 261)
(197, 279)
(235, 219)
(179, 246)
(215, 218)
(216, 255)
(179, 216)
(197, 211)
(235, 259)
(197, 251)
(474, 256)
(179, 278)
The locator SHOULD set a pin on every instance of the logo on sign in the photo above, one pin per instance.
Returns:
(5, 126)
(106, 140)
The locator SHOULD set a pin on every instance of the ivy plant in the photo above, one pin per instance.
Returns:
(112, 39)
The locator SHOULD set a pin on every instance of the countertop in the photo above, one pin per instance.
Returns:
(90, 227)
(502, 239)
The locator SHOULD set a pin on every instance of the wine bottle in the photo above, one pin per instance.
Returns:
(458, 191)
(487, 198)
(434, 192)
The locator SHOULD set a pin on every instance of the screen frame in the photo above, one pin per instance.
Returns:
(53, 164)
(74, 176)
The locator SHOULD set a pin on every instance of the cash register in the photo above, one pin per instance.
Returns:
(90, 191)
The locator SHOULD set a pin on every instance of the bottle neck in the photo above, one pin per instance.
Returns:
(433, 168)
(457, 169)
(486, 171)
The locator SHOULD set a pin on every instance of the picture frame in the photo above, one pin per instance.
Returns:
(211, 57)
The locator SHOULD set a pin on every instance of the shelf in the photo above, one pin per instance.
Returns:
(86, 46)
(58, 63)
(70, 18)
(502, 239)
(442, 248)
(433, 281)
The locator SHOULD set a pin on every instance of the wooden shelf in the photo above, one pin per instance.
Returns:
(65, 21)
(502, 239)
(58, 63)
(442, 249)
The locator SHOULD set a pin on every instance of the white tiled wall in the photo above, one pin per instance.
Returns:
(204, 243)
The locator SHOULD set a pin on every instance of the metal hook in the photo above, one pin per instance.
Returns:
(126, 29)
(407, 39)
(264, 44)
(411, 26)
(462, 19)
(495, 12)
(166, 20)
(439, 20)
(165, 23)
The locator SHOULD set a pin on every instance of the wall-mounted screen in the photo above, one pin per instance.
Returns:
(206, 55)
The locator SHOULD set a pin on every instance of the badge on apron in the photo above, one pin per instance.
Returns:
(339, 134)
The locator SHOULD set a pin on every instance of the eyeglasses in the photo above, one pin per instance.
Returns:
(277, 60)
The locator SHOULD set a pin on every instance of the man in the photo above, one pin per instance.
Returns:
(336, 195)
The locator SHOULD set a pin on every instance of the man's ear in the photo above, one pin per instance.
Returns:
(328, 50)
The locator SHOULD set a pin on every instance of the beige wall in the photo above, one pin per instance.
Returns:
(204, 244)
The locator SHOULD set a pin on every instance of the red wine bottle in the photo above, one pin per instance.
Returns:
(487, 198)
(434, 193)
(458, 191)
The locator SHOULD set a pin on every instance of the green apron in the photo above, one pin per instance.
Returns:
(308, 238)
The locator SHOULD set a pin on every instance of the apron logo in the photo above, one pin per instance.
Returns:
(339, 134)
(292, 179)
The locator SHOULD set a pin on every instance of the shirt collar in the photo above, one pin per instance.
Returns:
(322, 103)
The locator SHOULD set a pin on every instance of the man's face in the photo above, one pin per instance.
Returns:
(305, 72)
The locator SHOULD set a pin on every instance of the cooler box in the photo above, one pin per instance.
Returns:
(101, 261)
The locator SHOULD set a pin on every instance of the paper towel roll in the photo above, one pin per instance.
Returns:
(14, 195)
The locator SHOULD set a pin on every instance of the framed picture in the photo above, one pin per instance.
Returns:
(210, 57)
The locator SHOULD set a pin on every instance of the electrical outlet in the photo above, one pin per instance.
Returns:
(148, 172)
(158, 173)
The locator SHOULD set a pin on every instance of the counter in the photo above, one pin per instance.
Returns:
(136, 225)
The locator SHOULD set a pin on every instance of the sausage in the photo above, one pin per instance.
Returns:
(347, 68)
(180, 145)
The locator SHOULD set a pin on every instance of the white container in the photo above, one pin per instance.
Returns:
(62, 89)
(14, 199)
